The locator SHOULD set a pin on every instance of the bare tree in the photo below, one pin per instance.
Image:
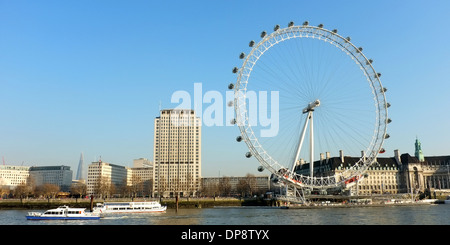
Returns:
(22, 191)
(4, 191)
(78, 189)
(104, 188)
(190, 184)
(210, 189)
(124, 189)
(242, 187)
(247, 186)
(137, 186)
(251, 182)
(148, 186)
(47, 190)
(224, 186)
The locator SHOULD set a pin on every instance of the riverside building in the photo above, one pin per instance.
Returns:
(104, 178)
(60, 176)
(401, 173)
(142, 170)
(177, 153)
(142, 176)
(12, 176)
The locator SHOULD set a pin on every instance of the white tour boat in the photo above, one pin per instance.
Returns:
(63, 213)
(129, 207)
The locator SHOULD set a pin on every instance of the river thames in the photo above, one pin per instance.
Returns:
(388, 215)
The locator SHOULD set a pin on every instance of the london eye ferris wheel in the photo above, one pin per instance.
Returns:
(324, 97)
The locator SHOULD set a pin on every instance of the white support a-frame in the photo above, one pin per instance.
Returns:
(309, 109)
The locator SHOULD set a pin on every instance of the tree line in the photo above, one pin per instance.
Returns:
(245, 187)
(104, 188)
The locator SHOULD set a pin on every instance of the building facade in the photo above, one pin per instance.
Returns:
(433, 173)
(177, 153)
(402, 173)
(104, 178)
(142, 170)
(12, 176)
(60, 176)
(142, 177)
(142, 163)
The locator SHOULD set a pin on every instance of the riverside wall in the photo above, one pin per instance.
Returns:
(86, 203)
(172, 203)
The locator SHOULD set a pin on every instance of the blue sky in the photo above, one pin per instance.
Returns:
(89, 76)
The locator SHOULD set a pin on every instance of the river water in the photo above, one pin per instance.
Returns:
(395, 215)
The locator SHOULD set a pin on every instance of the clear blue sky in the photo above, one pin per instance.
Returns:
(88, 76)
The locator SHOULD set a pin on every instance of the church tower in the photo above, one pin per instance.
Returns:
(418, 152)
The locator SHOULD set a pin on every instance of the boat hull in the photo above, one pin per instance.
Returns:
(62, 218)
(63, 213)
(130, 207)
(133, 212)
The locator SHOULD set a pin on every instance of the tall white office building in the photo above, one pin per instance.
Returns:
(177, 153)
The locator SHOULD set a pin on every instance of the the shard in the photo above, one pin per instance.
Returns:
(80, 175)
